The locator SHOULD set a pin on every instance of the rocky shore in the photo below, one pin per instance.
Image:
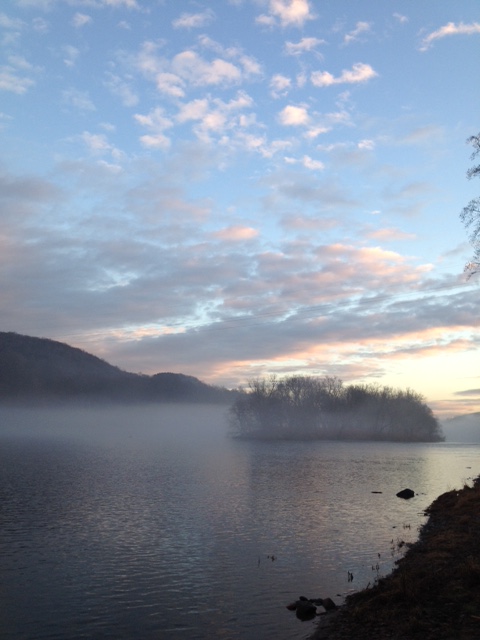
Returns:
(434, 591)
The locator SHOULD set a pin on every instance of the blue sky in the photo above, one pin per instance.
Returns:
(235, 188)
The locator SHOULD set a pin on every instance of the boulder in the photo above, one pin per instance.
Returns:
(305, 610)
(328, 604)
(406, 494)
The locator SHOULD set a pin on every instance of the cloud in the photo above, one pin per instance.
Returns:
(408, 191)
(99, 145)
(400, 18)
(78, 99)
(236, 233)
(71, 55)
(359, 73)
(20, 190)
(194, 20)
(422, 135)
(259, 143)
(217, 117)
(468, 392)
(248, 233)
(450, 29)
(305, 45)
(250, 65)
(292, 116)
(199, 72)
(47, 5)
(291, 189)
(170, 84)
(11, 81)
(354, 35)
(40, 4)
(313, 165)
(300, 222)
(194, 110)
(307, 162)
(10, 23)
(316, 130)
(287, 13)
(390, 234)
(128, 4)
(80, 20)
(40, 25)
(122, 88)
(321, 331)
(280, 85)
(188, 70)
(368, 145)
(157, 123)
(148, 287)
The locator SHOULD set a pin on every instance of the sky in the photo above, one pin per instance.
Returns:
(231, 189)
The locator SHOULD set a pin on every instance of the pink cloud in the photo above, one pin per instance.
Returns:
(236, 233)
(390, 234)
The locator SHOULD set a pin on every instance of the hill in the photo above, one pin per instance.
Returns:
(464, 428)
(39, 369)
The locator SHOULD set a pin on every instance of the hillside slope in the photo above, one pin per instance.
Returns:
(41, 369)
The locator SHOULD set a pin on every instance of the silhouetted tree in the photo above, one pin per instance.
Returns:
(470, 215)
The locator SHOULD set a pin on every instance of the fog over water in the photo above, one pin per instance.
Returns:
(129, 522)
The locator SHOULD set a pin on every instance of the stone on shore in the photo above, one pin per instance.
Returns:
(406, 494)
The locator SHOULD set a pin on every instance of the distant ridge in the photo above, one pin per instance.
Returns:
(465, 428)
(40, 369)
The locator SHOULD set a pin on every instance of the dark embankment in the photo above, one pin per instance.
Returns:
(434, 592)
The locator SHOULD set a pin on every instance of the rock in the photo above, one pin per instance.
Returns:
(328, 604)
(301, 602)
(406, 494)
(305, 610)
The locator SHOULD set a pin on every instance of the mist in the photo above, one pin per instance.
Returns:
(116, 424)
(462, 428)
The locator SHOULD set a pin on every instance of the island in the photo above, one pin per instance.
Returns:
(324, 408)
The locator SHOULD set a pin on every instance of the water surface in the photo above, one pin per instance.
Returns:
(126, 523)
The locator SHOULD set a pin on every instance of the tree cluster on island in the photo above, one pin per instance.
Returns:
(307, 407)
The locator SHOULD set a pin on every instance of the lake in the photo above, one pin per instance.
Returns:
(131, 523)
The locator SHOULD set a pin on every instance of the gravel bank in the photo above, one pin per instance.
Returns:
(434, 591)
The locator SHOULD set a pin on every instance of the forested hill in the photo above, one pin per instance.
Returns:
(38, 369)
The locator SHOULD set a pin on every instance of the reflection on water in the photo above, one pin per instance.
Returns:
(154, 524)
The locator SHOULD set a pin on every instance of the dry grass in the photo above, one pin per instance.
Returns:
(434, 592)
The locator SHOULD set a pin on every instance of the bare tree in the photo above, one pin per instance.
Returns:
(470, 214)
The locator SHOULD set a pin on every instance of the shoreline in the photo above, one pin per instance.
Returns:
(433, 592)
